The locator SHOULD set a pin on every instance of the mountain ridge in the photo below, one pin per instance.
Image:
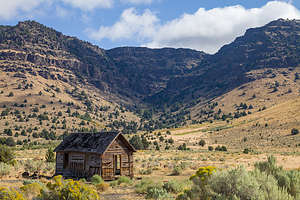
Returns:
(166, 80)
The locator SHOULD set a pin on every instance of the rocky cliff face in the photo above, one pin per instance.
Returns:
(153, 76)
(274, 45)
(146, 72)
(29, 46)
(130, 73)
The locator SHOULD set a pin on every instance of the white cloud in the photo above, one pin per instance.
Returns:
(12, 8)
(62, 12)
(205, 30)
(88, 5)
(131, 25)
(15, 8)
(137, 1)
(208, 30)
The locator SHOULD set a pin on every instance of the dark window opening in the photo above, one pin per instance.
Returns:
(66, 160)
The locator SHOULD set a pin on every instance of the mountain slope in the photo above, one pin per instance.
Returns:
(146, 71)
(129, 73)
(163, 87)
(274, 45)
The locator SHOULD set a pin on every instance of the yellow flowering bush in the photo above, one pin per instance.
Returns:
(68, 189)
(200, 187)
(202, 174)
(10, 194)
(32, 190)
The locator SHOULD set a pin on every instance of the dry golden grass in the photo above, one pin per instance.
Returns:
(162, 164)
(53, 101)
(265, 132)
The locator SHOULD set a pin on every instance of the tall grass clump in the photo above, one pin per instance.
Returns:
(158, 190)
(96, 179)
(174, 187)
(141, 187)
(50, 155)
(4, 169)
(6, 154)
(124, 180)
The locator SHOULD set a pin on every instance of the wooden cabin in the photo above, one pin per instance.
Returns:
(107, 154)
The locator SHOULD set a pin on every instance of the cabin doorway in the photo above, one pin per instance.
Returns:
(117, 164)
(66, 160)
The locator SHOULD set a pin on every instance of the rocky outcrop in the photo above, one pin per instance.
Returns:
(153, 76)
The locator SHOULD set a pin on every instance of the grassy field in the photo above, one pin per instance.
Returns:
(161, 166)
(264, 131)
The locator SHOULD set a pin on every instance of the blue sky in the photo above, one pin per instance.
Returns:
(198, 24)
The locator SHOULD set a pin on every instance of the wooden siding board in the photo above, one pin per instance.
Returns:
(116, 148)
(59, 163)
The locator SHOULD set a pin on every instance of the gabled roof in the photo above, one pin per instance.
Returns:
(91, 142)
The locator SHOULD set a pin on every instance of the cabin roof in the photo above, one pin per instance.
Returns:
(91, 142)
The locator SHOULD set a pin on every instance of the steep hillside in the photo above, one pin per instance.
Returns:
(274, 45)
(146, 72)
(123, 74)
(152, 88)
(33, 108)
(48, 78)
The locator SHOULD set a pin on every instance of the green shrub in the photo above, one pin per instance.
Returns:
(124, 180)
(221, 148)
(294, 131)
(83, 180)
(139, 142)
(246, 151)
(146, 171)
(157, 192)
(96, 179)
(183, 147)
(49, 167)
(4, 169)
(287, 180)
(121, 180)
(266, 182)
(177, 169)
(113, 183)
(233, 184)
(184, 196)
(269, 167)
(269, 187)
(33, 166)
(50, 155)
(202, 143)
(30, 181)
(210, 148)
(200, 183)
(173, 187)
(293, 186)
(6, 154)
(141, 187)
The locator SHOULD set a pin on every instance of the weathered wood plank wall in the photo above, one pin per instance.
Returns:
(108, 169)
(59, 163)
